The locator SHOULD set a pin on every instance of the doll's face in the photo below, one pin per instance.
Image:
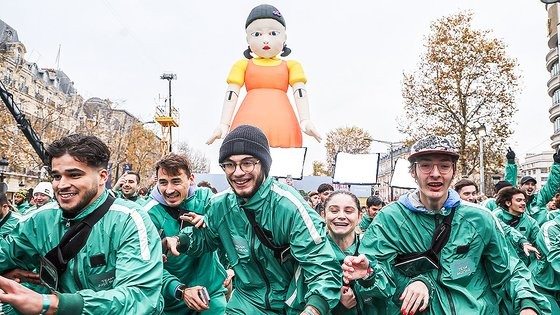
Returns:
(266, 37)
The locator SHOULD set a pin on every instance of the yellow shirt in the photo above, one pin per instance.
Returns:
(237, 73)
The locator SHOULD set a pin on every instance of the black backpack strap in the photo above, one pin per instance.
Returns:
(280, 252)
(442, 233)
(5, 218)
(76, 237)
(513, 222)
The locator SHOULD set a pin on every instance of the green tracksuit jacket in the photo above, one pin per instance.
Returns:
(23, 207)
(123, 246)
(477, 269)
(527, 226)
(537, 207)
(546, 271)
(369, 306)
(205, 270)
(8, 222)
(262, 284)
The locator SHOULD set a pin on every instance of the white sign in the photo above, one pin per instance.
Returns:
(287, 162)
(359, 169)
(401, 176)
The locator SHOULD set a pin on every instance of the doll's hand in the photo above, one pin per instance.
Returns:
(219, 133)
(309, 129)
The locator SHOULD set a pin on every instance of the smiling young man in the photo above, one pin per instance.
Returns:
(443, 255)
(127, 187)
(119, 269)
(184, 276)
(301, 274)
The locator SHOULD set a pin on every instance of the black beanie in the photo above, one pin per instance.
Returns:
(501, 184)
(265, 11)
(248, 140)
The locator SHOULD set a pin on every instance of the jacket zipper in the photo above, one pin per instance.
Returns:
(447, 293)
(261, 270)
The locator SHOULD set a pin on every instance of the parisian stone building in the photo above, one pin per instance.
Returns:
(45, 93)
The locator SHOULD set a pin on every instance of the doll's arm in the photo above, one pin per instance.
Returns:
(300, 97)
(230, 102)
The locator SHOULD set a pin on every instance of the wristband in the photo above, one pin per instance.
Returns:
(368, 273)
(179, 291)
(46, 304)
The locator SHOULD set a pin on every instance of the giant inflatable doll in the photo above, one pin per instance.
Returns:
(266, 78)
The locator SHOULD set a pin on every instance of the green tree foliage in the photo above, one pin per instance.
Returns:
(464, 79)
(353, 140)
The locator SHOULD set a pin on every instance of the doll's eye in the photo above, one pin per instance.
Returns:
(274, 33)
(256, 34)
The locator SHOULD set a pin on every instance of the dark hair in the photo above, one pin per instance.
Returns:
(342, 192)
(173, 163)
(374, 201)
(4, 200)
(137, 176)
(312, 193)
(506, 194)
(143, 191)
(324, 187)
(207, 185)
(86, 149)
(464, 182)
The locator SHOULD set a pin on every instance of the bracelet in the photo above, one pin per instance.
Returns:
(46, 304)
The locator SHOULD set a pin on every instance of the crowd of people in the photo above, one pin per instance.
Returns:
(261, 247)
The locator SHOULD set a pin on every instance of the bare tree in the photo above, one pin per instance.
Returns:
(464, 80)
(199, 162)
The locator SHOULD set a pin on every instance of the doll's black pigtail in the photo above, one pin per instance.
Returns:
(285, 51)
(247, 53)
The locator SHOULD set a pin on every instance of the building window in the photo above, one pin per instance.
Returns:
(556, 97)
(557, 125)
(555, 69)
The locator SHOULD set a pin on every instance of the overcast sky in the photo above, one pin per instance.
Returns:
(353, 53)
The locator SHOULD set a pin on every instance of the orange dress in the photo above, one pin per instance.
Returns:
(267, 106)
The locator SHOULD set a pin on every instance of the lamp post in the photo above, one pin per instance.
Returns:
(481, 134)
(3, 169)
(169, 77)
(391, 144)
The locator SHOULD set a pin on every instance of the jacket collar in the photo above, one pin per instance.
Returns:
(411, 201)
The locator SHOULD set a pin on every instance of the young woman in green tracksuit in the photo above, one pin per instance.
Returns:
(341, 214)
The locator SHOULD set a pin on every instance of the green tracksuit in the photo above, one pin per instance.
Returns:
(205, 270)
(546, 271)
(525, 224)
(477, 270)
(262, 283)
(536, 208)
(370, 306)
(119, 269)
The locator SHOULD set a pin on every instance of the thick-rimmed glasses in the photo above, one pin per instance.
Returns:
(246, 166)
(427, 167)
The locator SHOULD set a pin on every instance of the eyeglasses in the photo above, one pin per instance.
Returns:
(427, 167)
(246, 166)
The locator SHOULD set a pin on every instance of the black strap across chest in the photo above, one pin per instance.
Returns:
(265, 236)
(76, 237)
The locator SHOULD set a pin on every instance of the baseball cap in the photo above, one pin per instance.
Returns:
(527, 178)
(433, 145)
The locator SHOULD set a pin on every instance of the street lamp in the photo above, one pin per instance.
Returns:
(481, 134)
(391, 144)
(3, 169)
(169, 77)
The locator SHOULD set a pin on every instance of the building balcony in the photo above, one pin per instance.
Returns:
(551, 57)
(553, 111)
(553, 84)
(555, 139)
